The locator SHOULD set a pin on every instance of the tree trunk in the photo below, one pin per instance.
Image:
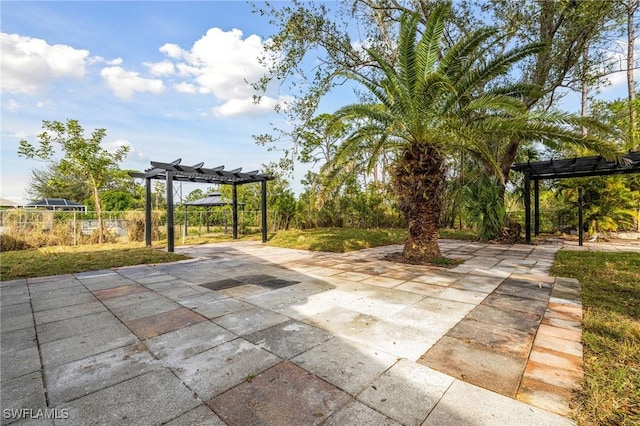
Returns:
(584, 99)
(419, 179)
(632, 5)
(96, 199)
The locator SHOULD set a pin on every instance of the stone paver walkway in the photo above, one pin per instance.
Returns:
(251, 334)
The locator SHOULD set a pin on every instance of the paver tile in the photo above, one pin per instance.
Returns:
(282, 395)
(128, 403)
(70, 381)
(562, 333)
(153, 306)
(568, 379)
(200, 416)
(63, 329)
(345, 363)
(289, 338)
(119, 291)
(87, 344)
(458, 295)
(514, 303)
(43, 304)
(12, 341)
(215, 307)
(250, 320)
(407, 392)
(548, 397)
(518, 320)
(356, 413)
(19, 362)
(217, 370)
(188, 341)
(479, 365)
(67, 312)
(22, 392)
(559, 345)
(466, 404)
(420, 288)
(342, 321)
(495, 336)
(164, 322)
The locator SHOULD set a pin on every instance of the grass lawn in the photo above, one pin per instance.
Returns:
(611, 334)
(337, 240)
(341, 240)
(65, 260)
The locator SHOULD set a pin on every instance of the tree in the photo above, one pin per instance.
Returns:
(632, 6)
(435, 101)
(50, 182)
(565, 29)
(82, 156)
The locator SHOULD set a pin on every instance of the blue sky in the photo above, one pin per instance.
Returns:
(165, 78)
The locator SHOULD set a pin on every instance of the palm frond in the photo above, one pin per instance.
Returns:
(429, 46)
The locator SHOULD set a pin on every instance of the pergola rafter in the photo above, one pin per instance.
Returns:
(174, 171)
(569, 168)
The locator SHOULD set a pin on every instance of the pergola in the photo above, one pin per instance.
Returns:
(569, 168)
(174, 171)
(213, 199)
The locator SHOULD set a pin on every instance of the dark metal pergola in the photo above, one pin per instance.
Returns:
(213, 199)
(174, 171)
(569, 168)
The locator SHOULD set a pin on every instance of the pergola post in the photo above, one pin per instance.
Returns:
(147, 213)
(234, 208)
(536, 207)
(170, 222)
(264, 211)
(580, 224)
(527, 207)
(186, 225)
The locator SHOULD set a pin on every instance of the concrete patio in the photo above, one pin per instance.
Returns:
(251, 334)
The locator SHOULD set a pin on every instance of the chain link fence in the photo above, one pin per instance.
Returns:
(24, 228)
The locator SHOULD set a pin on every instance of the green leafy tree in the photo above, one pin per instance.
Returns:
(81, 156)
(50, 182)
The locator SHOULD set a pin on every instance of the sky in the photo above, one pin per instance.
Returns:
(166, 78)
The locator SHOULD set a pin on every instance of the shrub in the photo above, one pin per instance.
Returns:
(135, 221)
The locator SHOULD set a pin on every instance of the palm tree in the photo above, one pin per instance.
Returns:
(435, 101)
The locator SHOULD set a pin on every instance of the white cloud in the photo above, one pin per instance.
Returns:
(172, 50)
(29, 64)
(222, 63)
(244, 106)
(160, 69)
(12, 105)
(21, 134)
(125, 83)
(185, 87)
(117, 143)
(101, 60)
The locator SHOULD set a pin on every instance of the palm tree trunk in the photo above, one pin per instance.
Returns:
(419, 179)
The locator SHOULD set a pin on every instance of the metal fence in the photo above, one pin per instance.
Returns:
(77, 227)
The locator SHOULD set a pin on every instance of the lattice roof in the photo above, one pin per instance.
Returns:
(199, 173)
(580, 167)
